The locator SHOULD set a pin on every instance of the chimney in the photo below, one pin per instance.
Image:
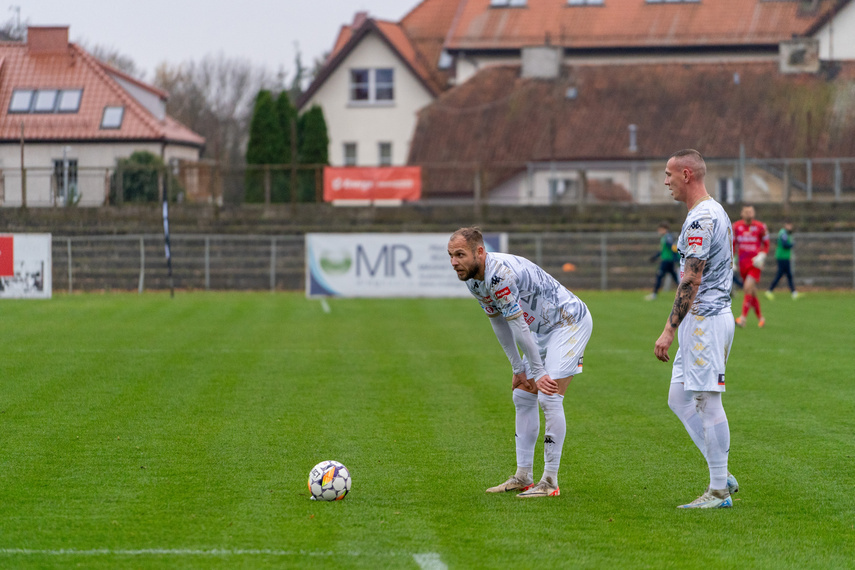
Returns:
(359, 19)
(47, 39)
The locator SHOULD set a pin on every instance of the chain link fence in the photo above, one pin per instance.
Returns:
(615, 260)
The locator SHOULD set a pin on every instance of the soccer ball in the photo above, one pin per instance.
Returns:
(329, 481)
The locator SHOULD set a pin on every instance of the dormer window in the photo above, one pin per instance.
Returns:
(112, 117)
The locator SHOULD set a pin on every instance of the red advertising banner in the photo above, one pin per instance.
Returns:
(366, 183)
(7, 256)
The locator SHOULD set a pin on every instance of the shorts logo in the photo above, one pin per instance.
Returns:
(700, 361)
(502, 293)
(721, 379)
(695, 241)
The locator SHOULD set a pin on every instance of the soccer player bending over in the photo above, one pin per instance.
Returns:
(528, 310)
(702, 320)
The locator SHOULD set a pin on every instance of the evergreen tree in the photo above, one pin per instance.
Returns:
(266, 146)
(313, 147)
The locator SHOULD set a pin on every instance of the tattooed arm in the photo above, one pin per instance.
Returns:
(687, 290)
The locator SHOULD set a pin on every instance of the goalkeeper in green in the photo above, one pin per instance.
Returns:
(783, 251)
(667, 256)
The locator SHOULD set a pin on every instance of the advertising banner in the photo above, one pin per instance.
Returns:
(382, 183)
(25, 266)
(385, 265)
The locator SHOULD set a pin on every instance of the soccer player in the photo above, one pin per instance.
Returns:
(667, 256)
(703, 323)
(750, 246)
(783, 250)
(528, 309)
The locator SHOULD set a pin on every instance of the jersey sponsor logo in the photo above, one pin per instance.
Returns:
(528, 318)
(695, 241)
(501, 293)
(489, 310)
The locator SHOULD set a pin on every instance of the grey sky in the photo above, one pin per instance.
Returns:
(153, 31)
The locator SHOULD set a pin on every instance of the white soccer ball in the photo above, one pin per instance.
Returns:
(329, 481)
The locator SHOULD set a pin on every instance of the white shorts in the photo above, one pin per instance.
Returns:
(704, 345)
(562, 350)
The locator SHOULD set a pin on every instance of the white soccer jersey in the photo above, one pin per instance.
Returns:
(707, 234)
(515, 286)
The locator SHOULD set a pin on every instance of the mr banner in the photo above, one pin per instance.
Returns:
(25, 266)
(385, 265)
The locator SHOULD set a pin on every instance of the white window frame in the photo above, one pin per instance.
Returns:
(373, 86)
(384, 158)
(350, 158)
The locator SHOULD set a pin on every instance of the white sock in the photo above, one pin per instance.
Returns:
(527, 428)
(682, 403)
(716, 436)
(553, 439)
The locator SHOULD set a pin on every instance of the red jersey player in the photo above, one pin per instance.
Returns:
(750, 246)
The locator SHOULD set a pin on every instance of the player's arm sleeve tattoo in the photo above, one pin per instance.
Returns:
(687, 290)
(525, 340)
(506, 339)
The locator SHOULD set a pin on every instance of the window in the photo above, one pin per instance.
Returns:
(505, 3)
(112, 117)
(59, 175)
(69, 100)
(45, 100)
(585, 2)
(384, 84)
(372, 85)
(384, 151)
(673, 1)
(350, 154)
(445, 60)
(360, 89)
(22, 99)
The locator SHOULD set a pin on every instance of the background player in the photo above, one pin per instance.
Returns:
(750, 246)
(528, 309)
(667, 256)
(702, 319)
(783, 251)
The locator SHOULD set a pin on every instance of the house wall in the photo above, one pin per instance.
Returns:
(369, 124)
(837, 37)
(645, 184)
(95, 164)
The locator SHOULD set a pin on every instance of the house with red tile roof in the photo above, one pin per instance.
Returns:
(65, 118)
(504, 80)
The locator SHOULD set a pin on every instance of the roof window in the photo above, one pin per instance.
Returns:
(45, 100)
(586, 2)
(673, 1)
(506, 3)
(112, 117)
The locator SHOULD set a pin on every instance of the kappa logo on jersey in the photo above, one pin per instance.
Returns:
(501, 293)
(696, 225)
(548, 439)
(495, 280)
(695, 241)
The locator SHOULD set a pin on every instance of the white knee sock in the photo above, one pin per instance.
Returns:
(527, 428)
(553, 440)
(682, 403)
(716, 436)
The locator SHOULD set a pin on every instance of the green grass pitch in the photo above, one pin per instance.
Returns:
(149, 432)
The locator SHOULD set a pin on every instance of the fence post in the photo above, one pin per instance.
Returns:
(266, 184)
(272, 264)
(207, 263)
(809, 167)
(838, 180)
(70, 277)
(604, 283)
(142, 264)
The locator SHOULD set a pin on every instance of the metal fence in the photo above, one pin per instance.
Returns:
(614, 260)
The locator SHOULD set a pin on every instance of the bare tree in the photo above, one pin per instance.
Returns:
(214, 97)
(113, 57)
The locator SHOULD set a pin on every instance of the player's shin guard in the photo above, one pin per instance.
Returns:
(682, 404)
(527, 428)
(556, 429)
(716, 436)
